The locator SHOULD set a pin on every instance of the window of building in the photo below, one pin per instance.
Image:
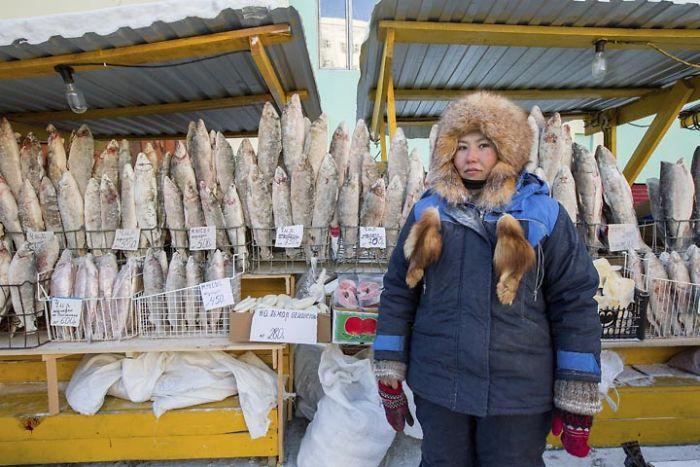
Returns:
(340, 41)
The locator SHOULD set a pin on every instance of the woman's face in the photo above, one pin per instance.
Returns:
(475, 157)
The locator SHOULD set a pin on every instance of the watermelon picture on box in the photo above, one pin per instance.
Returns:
(354, 327)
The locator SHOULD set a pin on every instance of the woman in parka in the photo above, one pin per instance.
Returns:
(487, 310)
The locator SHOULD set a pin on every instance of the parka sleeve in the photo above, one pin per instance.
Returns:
(570, 283)
(397, 306)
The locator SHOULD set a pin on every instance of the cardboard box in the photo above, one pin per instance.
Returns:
(354, 327)
(239, 327)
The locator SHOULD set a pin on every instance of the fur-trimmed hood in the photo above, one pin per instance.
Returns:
(502, 122)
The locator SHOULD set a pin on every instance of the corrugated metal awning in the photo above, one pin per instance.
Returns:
(422, 66)
(221, 77)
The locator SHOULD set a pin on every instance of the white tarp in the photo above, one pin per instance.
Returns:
(105, 21)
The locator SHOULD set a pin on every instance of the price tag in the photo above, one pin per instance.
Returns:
(280, 325)
(66, 311)
(39, 237)
(202, 238)
(216, 294)
(372, 237)
(126, 239)
(623, 237)
(289, 237)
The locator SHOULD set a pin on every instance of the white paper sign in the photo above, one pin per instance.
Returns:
(66, 311)
(216, 294)
(203, 238)
(126, 239)
(39, 237)
(289, 236)
(280, 325)
(372, 237)
(623, 237)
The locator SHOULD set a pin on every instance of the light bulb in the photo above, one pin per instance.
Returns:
(75, 98)
(599, 66)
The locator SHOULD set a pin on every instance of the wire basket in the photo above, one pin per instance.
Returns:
(625, 322)
(352, 257)
(101, 318)
(265, 257)
(22, 317)
(674, 308)
(181, 313)
(671, 234)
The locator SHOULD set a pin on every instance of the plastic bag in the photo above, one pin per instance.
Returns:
(688, 360)
(414, 431)
(192, 378)
(350, 411)
(611, 365)
(91, 380)
(307, 385)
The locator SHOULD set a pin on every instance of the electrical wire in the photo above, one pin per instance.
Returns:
(165, 65)
(673, 57)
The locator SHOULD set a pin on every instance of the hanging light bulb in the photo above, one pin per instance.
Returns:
(599, 66)
(74, 96)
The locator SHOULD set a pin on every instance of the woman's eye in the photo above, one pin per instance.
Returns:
(462, 148)
(484, 146)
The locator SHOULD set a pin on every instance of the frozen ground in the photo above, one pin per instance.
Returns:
(405, 452)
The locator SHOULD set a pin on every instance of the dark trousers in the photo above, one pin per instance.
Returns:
(454, 439)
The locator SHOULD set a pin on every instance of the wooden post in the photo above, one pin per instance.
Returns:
(382, 84)
(610, 138)
(280, 404)
(382, 139)
(52, 383)
(391, 107)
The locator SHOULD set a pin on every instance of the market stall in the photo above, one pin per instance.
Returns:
(607, 64)
(121, 251)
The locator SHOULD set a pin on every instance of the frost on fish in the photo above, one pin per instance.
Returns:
(213, 215)
(566, 146)
(9, 157)
(349, 212)
(108, 163)
(551, 144)
(370, 174)
(318, 143)
(616, 191)
(107, 272)
(293, 133)
(281, 202)
(146, 199)
(245, 161)
(87, 287)
(62, 281)
(398, 162)
(215, 270)
(56, 159)
(176, 279)
(194, 275)
(658, 300)
(564, 191)
(93, 216)
(533, 158)
(415, 185)
(589, 189)
(269, 142)
(340, 150)
(110, 209)
(32, 161)
(224, 161)
(174, 214)
(81, 157)
(70, 205)
(29, 210)
(325, 197)
(9, 215)
(392, 211)
(677, 192)
(259, 201)
(359, 146)
(181, 171)
(372, 212)
(199, 148)
(22, 273)
(432, 139)
(128, 198)
(153, 288)
(235, 223)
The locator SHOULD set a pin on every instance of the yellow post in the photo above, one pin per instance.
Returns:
(267, 71)
(382, 83)
(610, 138)
(677, 97)
(382, 139)
(391, 107)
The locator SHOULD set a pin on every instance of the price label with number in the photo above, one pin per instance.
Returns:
(289, 236)
(126, 239)
(66, 311)
(39, 237)
(202, 238)
(372, 237)
(216, 294)
(287, 326)
(623, 237)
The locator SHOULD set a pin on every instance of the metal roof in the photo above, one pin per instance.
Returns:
(437, 66)
(230, 75)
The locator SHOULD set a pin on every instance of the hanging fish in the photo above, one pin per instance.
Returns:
(154, 284)
(124, 155)
(215, 270)
(325, 198)
(398, 159)
(93, 216)
(181, 171)
(551, 143)
(9, 215)
(70, 205)
(87, 287)
(359, 146)
(213, 215)
(259, 200)
(564, 191)
(56, 159)
(146, 199)
(176, 280)
(199, 148)
(372, 213)
(48, 201)
(31, 161)
(128, 198)
(29, 210)
(81, 157)
(194, 275)
(62, 281)
(293, 133)
(174, 213)
(318, 143)
(302, 196)
(107, 163)
(107, 272)
(22, 273)
(677, 192)
(245, 160)
(589, 189)
(235, 223)
(415, 185)
(269, 142)
(225, 162)
(9, 158)
(349, 212)
(533, 158)
(340, 150)
(110, 210)
(392, 212)
(370, 174)
(616, 191)
(566, 146)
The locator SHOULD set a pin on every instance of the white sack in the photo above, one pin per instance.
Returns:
(349, 427)
(140, 374)
(91, 380)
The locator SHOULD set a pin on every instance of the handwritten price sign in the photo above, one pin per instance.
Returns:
(66, 312)
(216, 294)
(289, 237)
(623, 237)
(373, 237)
(126, 239)
(280, 325)
(203, 238)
